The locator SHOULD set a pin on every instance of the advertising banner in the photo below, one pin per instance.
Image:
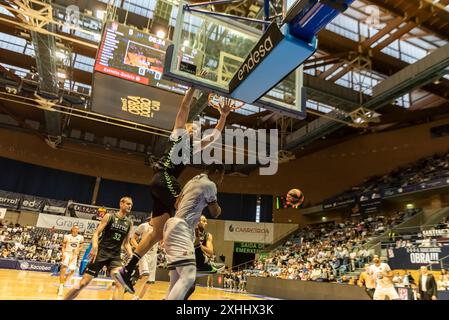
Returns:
(414, 258)
(35, 266)
(249, 232)
(66, 223)
(248, 247)
(134, 102)
(10, 200)
(30, 203)
(55, 207)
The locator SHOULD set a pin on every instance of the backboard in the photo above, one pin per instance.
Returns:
(220, 46)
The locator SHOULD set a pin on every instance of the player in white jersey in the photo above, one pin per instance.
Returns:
(148, 263)
(179, 231)
(71, 247)
(382, 274)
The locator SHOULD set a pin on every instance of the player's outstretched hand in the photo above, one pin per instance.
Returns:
(226, 106)
(203, 73)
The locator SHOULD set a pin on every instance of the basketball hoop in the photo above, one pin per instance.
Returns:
(216, 101)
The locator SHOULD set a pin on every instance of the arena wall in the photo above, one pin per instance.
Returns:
(289, 289)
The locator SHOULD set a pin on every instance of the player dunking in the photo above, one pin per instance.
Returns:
(164, 186)
(112, 232)
(71, 247)
(179, 231)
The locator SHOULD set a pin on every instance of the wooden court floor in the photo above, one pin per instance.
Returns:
(29, 285)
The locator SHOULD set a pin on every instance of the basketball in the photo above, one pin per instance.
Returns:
(295, 197)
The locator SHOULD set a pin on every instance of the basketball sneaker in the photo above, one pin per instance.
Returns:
(210, 268)
(124, 278)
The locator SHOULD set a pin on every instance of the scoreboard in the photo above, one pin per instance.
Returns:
(134, 55)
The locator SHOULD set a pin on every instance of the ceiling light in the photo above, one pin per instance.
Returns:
(160, 34)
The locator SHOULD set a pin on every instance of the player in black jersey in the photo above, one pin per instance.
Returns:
(112, 233)
(204, 254)
(165, 187)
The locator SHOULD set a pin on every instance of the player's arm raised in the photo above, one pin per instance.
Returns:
(225, 110)
(184, 109)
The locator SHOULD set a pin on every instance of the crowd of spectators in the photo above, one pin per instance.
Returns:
(235, 280)
(30, 243)
(423, 170)
(436, 236)
(327, 252)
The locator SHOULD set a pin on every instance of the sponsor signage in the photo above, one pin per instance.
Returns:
(270, 39)
(414, 258)
(437, 183)
(370, 206)
(10, 200)
(91, 212)
(436, 233)
(133, 102)
(66, 223)
(335, 203)
(86, 211)
(30, 203)
(249, 232)
(248, 247)
(35, 266)
(55, 206)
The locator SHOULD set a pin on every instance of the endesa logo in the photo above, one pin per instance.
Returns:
(255, 58)
(269, 40)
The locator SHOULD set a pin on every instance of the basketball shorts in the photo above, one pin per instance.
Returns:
(178, 243)
(70, 261)
(382, 293)
(164, 190)
(111, 260)
(147, 266)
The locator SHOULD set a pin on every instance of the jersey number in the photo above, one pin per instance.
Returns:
(117, 236)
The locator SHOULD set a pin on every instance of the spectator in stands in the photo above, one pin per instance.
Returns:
(243, 280)
(315, 274)
(5, 254)
(335, 264)
(408, 280)
(443, 280)
(427, 242)
(397, 279)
